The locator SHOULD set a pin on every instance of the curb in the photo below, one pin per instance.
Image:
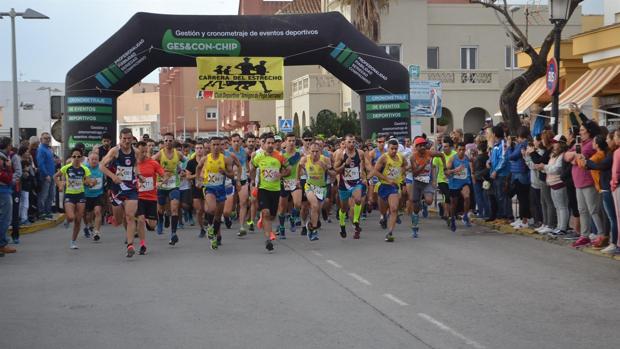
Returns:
(39, 225)
(506, 229)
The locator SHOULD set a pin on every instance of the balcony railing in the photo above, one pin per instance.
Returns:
(459, 79)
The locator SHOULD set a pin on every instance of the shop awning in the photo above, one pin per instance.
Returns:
(589, 84)
(529, 96)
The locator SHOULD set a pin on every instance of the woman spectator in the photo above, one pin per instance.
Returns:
(558, 188)
(481, 174)
(615, 181)
(541, 155)
(520, 176)
(27, 184)
(588, 200)
(600, 166)
(535, 181)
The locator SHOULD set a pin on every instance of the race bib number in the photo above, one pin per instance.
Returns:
(318, 191)
(98, 184)
(461, 174)
(271, 174)
(147, 185)
(228, 182)
(393, 173)
(351, 173)
(423, 178)
(125, 173)
(215, 179)
(75, 184)
(290, 184)
(169, 183)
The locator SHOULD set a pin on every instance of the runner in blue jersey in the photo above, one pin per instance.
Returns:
(459, 170)
(95, 198)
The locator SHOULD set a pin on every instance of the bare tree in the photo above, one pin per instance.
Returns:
(367, 15)
(513, 90)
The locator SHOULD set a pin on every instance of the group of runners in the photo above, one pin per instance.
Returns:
(271, 180)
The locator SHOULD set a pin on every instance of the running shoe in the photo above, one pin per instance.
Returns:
(130, 251)
(282, 232)
(96, 236)
(160, 228)
(228, 222)
(468, 223)
(383, 222)
(142, 250)
(414, 232)
(304, 231)
(389, 237)
(173, 240)
(581, 242)
(242, 232)
(86, 232)
(211, 233)
(358, 230)
(343, 232)
(214, 244)
(166, 221)
(453, 224)
(272, 236)
(314, 235)
(269, 246)
(73, 245)
(424, 210)
(203, 233)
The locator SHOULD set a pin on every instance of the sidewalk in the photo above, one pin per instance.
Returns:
(507, 229)
(39, 225)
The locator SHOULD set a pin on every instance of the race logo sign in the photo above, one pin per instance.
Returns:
(257, 78)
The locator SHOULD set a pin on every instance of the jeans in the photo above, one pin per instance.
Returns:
(46, 196)
(482, 201)
(24, 204)
(560, 201)
(548, 209)
(501, 196)
(6, 212)
(589, 205)
(610, 211)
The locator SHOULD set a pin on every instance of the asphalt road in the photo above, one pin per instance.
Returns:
(471, 289)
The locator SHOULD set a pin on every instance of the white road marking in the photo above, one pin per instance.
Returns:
(451, 331)
(333, 263)
(317, 253)
(394, 299)
(360, 279)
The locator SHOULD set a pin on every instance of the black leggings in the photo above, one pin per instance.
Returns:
(523, 195)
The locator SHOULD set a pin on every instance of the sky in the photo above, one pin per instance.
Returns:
(47, 49)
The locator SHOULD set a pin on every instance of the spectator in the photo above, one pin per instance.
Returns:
(33, 146)
(540, 154)
(6, 204)
(16, 164)
(499, 173)
(615, 180)
(520, 176)
(481, 174)
(47, 168)
(28, 183)
(558, 188)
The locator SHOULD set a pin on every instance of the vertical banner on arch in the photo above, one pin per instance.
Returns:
(386, 115)
(257, 78)
(88, 118)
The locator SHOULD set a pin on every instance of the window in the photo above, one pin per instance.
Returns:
(510, 60)
(469, 57)
(306, 82)
(211, 113)
(432, 57)
(392, 50)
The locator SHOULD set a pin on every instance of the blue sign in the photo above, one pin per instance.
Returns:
(425, 98)
(414, 72)
(285, 125)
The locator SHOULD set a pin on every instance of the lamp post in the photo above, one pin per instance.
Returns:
(184, 134)
(28, 14)
(558, 15)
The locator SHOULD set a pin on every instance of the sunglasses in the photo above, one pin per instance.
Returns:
(76, 156)
(307, 139)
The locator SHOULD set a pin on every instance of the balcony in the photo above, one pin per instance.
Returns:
(460, 79)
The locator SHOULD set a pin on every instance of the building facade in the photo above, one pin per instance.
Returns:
(138, 109)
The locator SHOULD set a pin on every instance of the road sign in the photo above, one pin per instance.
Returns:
(552, 76)
(285, 125)
(414, 72)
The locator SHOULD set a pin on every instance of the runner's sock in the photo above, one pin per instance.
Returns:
(357, 210)
(415, 218)
(175, 222)
(208, 218)
(160, 218)
(342, 217)
(282, 218)
(216, 226)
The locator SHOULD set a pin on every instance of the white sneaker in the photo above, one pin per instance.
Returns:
(609, 249)
(520, 225)
(541, 228)
(547, 230)
(74, 246)
(515, 223)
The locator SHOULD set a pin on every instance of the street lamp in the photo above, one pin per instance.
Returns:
(558, 15)
(184, 134)
(28, 14)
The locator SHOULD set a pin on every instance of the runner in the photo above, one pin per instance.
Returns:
(271, 166)
(389, 170)
(349, 164)
(185, 190)
(371, 160)
(196, 185)
(317, 166)
(252, 147)
(168, 190)
(124, 189)
(440, 177)
(95, 198)
(230, 185)
(307, 140)
(291, 189)
(147, 193)
(74, 176)
(459, 170)
(215, 167)
(422, 187)
(243, 186)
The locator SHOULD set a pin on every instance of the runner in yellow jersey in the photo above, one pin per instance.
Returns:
(316, 167)
(214, 168)
(390, 169)
(168, 189)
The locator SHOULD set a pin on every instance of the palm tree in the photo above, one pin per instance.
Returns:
(366, 15)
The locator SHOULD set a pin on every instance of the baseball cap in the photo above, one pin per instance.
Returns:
(558, 139)
(419, 140)
(277, 138)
